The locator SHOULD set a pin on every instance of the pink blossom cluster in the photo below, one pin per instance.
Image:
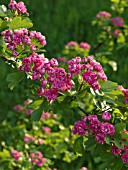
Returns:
(40, 141)
(103, 14)
(72, 43)
(62, 59)
(28, 101)
(93, 70)
(22, 37)
(16, 155)
(57, 78)
(46, 130)
(45, 115)
(125, 92)
(19, 7)
(117, 21)
(83, 168)
(83, 45)
(122, 152)
(18, 108)
(28, 139)
(28, 111)
(94, 126)
(37, 158)
(116, 33)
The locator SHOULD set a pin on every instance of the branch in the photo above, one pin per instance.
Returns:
(82, 110)
(97, 47)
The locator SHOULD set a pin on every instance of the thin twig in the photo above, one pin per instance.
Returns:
(82, 110)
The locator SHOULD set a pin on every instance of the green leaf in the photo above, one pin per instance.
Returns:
(119, 127)
(107, 86)
(18, 22)
(121, 39)
(3, 24)
(35, 105)
(90, 142)
(62, 147)
(36, 114)
(118, 143)
(60, 98)
(4, 153)
(14, 78)
(116, 1)
(74, 104)
(78, 145)
(45, 105)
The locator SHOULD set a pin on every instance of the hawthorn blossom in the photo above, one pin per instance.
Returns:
(20, 7)
(115, 150)
(47, 130)
(117, 21)
(37, 158)
(103, 14)
(16, 155)
(125, 158)
(80, 127)
(85, 45)
(106, 116)
(72, 43)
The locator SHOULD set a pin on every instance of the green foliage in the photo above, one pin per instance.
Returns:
(22, 23)
(56, 131)
(78, 145)
(14, 78)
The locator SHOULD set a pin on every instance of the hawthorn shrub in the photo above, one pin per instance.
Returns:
(84, 114)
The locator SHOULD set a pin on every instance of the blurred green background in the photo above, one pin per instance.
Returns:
(62, 21)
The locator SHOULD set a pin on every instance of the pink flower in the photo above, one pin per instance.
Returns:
(100, 138)
(95, 126)
(28, 139)
(83, 168)
(107, 128)
(12, 5)
(18, 108)
(28, 101)
(116, 33)
(125, 92)
(62, 59)
(40, 141)
(47, 130)
(125, 158)
(115, 150)
(54, 115)
(80, 127)
(85, 45)
(92, 117)
(103, 14)
(106, 116)
(45, 115)
(16, 155)
(37, 158)
(117, 21)
(71, 44)
(15, 53)
(84, 118)
(21, 8)
(51, 94)
(28, 111)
